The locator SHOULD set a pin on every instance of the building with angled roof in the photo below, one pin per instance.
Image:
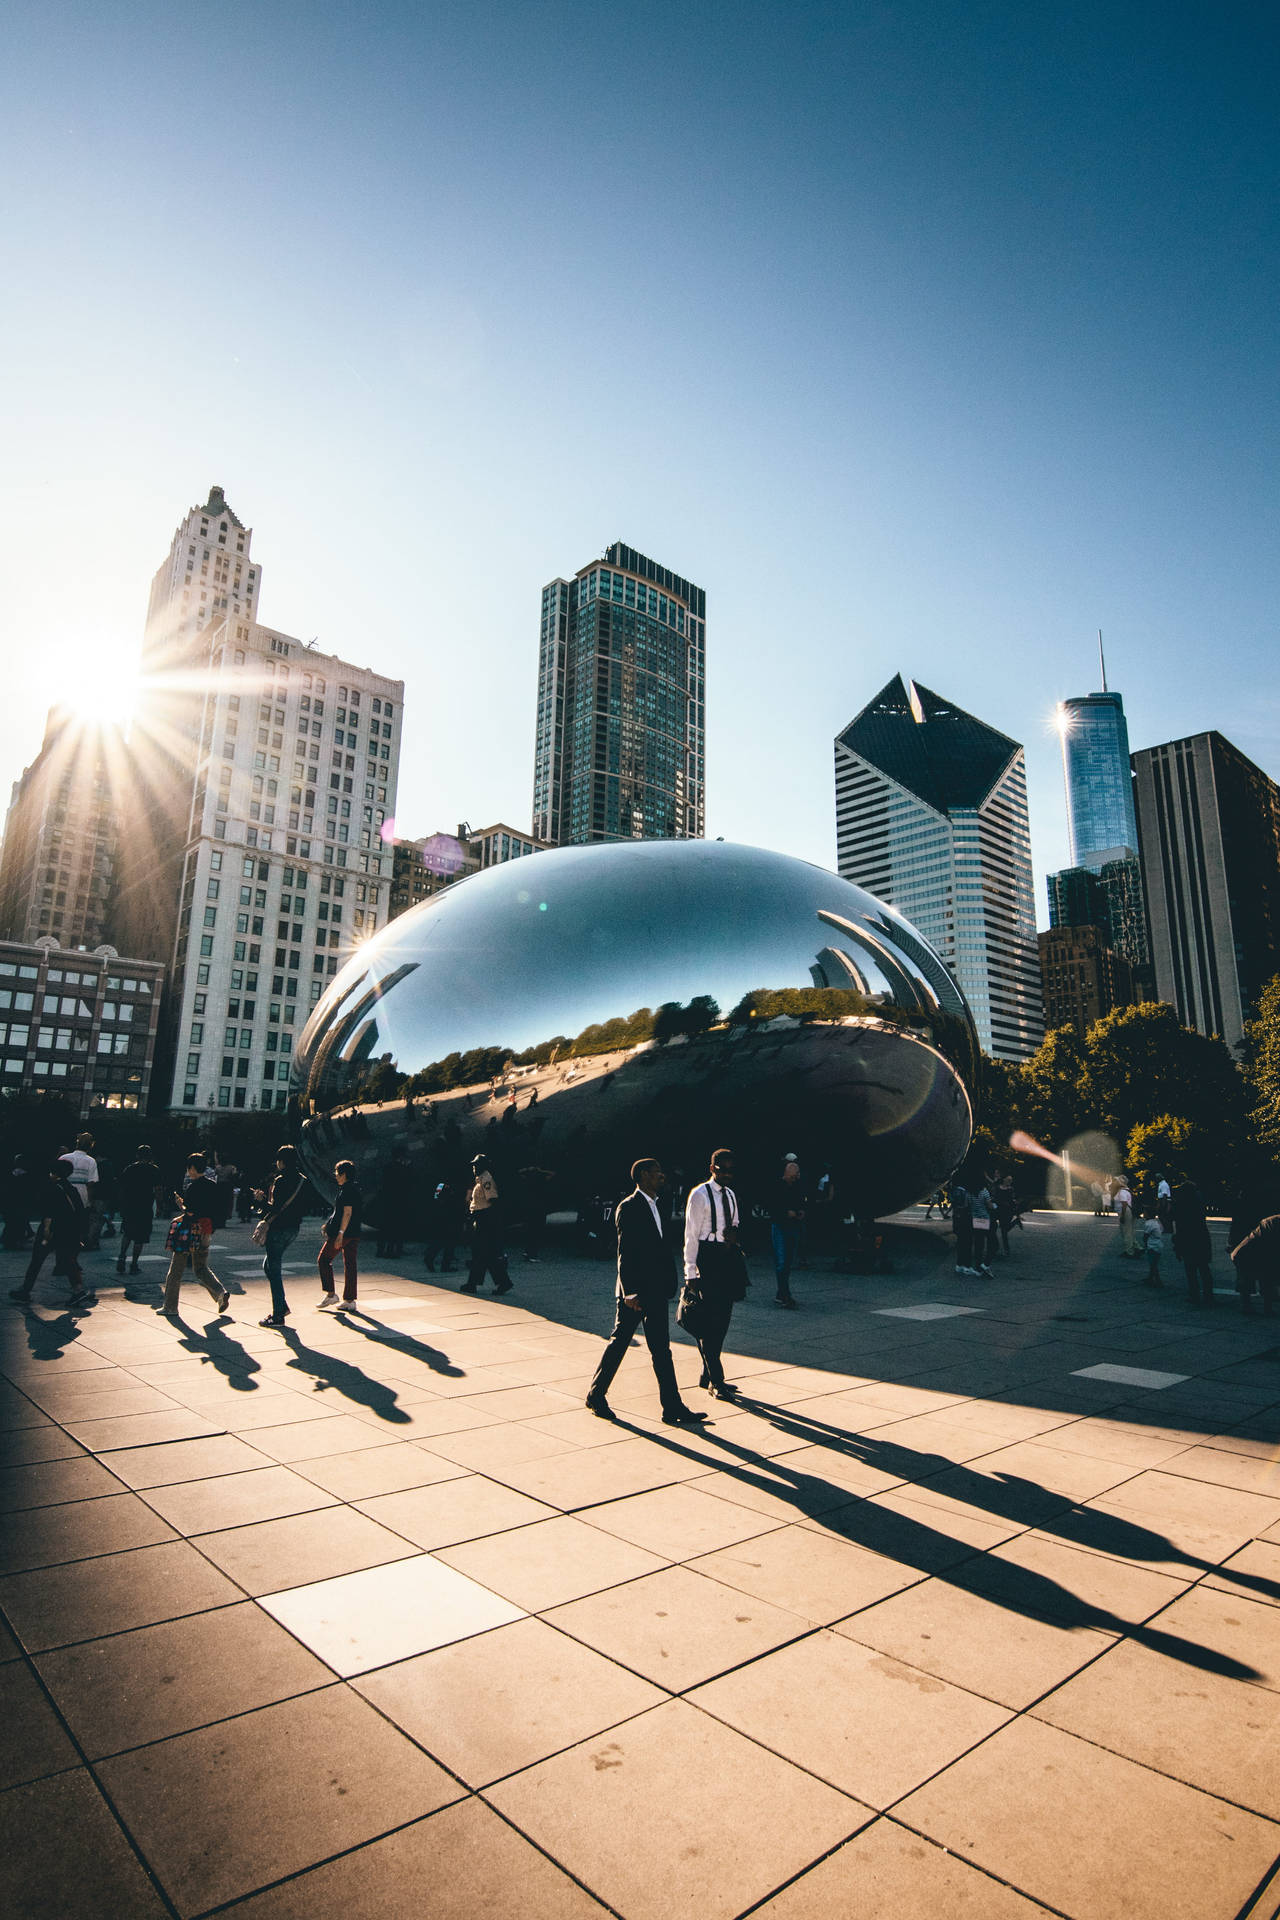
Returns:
(931, 816)
(620, 744)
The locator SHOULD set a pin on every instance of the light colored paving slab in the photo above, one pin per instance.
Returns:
(925, 1311)
(364, 1620)
(1090, 1834)
(490, 1706)
(1149, 1377)
(735, 1821)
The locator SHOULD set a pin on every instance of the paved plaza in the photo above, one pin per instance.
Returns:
(970, 1606)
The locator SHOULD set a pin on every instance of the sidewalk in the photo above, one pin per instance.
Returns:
(970, 1606)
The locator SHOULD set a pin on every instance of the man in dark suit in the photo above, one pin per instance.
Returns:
(646, 1283)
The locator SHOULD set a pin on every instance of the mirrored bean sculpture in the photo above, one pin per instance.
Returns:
(572, 1011)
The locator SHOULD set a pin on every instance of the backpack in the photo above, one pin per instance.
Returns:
(181, 1235)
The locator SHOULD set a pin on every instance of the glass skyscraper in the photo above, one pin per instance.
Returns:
(620, 746)
(1095, 761)
(931, 817)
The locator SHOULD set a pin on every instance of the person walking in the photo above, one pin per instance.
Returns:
(341, 1235)
(190, 1236)
(487, 1255)
(1151, 1238)
(646, 1283)
(446, 1225)
(962, 1227)
(278, 1228)
(1123, 1204)
(18, 1200)
(1006, 1209)
(60, 1233)
(786, 1216)
(139, 1184)
(715, 1272)
(982, 1218)
(392, 1205)
(84, 1180)
(1191, 1240)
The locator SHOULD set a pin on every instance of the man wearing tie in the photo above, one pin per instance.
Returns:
(714, 1267)
(646, 1283)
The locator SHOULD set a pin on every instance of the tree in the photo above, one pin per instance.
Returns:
(1158, 1148)
(1140, 1061)
(1261, 1057)
(1051, 1096)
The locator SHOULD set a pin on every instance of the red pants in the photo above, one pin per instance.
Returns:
(324, 1261)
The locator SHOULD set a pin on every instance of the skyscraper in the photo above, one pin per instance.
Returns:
(620, 743)
(58, 861)
(266, 776)
(1209, 831)
(931, 816)
(1095, 763)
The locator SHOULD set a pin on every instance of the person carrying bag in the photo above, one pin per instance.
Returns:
(715, 1272)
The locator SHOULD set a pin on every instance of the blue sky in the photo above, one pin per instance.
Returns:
(925, 337)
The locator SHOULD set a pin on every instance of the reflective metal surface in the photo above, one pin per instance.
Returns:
(653, 997)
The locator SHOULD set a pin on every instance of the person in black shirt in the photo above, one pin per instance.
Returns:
(137, 1188)
(341, 1235)
(191, 1235)
(60, 1233)
(786, 1215)
(281, 1219)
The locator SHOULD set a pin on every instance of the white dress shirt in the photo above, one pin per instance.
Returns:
(698, 1221)
(653, 1208)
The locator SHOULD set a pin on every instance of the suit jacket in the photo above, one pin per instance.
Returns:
(646, 1263)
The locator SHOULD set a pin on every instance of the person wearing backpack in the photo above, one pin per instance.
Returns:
(279, 1227)
(189, 1237)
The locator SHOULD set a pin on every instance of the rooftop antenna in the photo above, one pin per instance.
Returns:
(1102, 661)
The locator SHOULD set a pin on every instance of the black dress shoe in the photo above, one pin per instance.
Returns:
(724, 1391)
(601, 1408)
(705, 1381)
(686, 1417)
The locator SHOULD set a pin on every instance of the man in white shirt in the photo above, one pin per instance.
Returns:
(714, 1266)
(1124, 1214)
(646, 1283)
(84, 1183)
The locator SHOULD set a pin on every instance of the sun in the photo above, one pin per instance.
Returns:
(100, 693)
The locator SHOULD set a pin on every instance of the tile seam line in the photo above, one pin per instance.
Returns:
(87, 1765)
(986, 1872)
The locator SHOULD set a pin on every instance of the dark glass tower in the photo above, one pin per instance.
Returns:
(620, 744)
(1095, 761)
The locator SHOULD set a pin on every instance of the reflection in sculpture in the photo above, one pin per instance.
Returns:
(570, 1012)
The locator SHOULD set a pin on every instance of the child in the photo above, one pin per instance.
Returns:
(1151, 1239)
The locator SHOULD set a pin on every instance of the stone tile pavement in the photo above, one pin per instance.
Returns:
(970, 1604)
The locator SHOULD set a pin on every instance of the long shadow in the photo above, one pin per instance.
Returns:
(397, 1339)
(352, 1383)
(913, 1543)
(226, 1356)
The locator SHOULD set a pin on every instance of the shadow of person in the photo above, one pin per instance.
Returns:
(913, 1542)
(395, 1337)
(1005, 1496)
(49, 1339)
(330, 1373)
(215, 1348)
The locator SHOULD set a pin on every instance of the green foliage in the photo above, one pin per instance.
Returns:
(1261, 1059)
(1157, 1149)
(1142, 1061)
(1052, 1102)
